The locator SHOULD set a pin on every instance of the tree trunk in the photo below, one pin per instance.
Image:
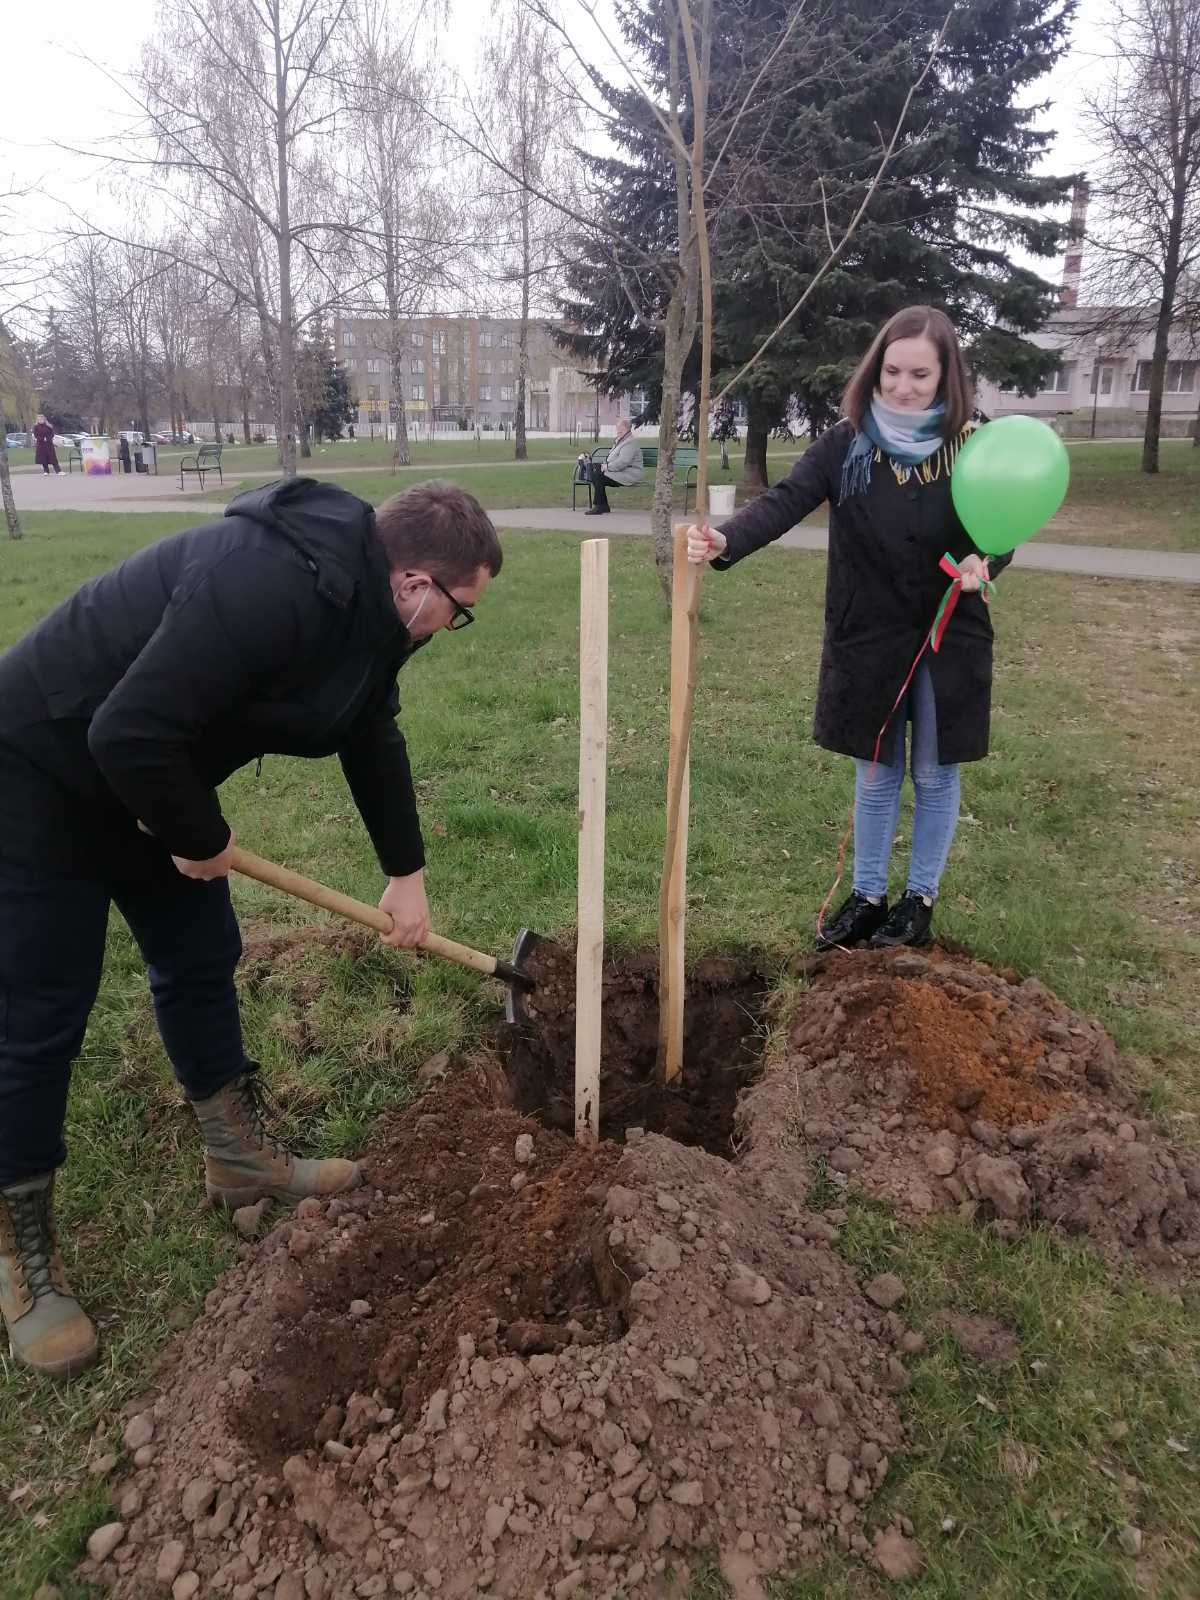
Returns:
(679, 335)
(287, 443)
(403, 455)
(1162, 330)
(758, 433)
(245, 398)
(520, 449)
(10, 505)
(1196, 431)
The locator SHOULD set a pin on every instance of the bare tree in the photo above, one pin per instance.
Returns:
(530, 121)
(86, 282)
(1146, 123)
(404, 220)
(235, 101)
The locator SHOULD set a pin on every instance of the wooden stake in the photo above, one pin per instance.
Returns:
(685, 606)
(593, 758)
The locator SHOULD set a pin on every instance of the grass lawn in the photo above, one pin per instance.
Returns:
(1078, 858)
(1112, 501)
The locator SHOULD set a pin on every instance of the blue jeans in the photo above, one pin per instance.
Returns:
(877, 800)
(52, 932)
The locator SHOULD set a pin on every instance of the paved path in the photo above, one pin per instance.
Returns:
(123, 495)
(1093, 561)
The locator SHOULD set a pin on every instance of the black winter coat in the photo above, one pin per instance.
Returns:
(272, 630)
(882, 589)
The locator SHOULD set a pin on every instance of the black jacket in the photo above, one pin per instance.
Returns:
(270, 631)
(882, 589)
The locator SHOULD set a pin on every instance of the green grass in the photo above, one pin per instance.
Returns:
(1078, 859)
(1112, 501)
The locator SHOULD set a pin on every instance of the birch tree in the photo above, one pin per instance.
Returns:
(530, 122)
(236, 100)
(404, 218)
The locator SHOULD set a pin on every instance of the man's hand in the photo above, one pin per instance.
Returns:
(974, 572)
(215, 867)
(705, 543)
(404, 901)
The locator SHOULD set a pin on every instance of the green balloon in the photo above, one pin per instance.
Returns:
(1008, 481)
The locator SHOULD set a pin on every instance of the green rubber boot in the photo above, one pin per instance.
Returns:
(48, 1330)
(243, 1162)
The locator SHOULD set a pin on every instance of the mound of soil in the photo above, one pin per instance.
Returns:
(937, 1083)
(509, 1366)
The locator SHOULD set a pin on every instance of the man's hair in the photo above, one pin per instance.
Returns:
(440, 528)
(915, 322)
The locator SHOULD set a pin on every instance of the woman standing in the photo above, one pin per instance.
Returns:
(885, 471)
(45, 455)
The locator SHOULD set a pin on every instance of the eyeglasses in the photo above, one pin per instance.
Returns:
(463, 615)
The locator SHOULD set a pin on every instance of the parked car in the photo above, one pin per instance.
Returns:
(15, 441)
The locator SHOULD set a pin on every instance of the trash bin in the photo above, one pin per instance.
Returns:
(720, 499)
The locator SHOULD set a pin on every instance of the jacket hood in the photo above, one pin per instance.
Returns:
(331, 528)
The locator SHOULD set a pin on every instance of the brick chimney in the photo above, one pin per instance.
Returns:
(1072, 266)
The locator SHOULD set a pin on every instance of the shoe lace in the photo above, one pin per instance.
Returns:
(257, 1104)
(33, 1231)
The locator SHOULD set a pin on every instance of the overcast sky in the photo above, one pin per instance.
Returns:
(55, 93)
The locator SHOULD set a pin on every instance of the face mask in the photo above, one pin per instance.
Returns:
(417, 612)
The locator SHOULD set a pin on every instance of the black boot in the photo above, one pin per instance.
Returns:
(856, 920)
(600, 509)
(910, 922)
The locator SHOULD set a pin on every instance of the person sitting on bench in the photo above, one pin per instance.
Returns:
(620, 468)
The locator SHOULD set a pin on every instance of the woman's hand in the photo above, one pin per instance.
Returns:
(974, 572)
(404, 901)
(705, 543)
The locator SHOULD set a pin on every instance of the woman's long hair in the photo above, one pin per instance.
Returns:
(956, 390)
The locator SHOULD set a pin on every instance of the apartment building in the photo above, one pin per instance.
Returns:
(1104, 372)
(463, 371)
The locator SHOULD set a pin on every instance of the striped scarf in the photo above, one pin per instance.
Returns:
(908, 438)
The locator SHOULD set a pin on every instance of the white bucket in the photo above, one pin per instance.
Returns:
(720, 499)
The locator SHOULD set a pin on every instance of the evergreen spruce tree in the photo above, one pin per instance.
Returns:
(959, 195)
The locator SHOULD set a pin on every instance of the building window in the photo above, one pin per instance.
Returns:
(485, 341)
(418, 391)
(1180, 377)
(417, 339)
(485, 368)
(506, 391)
(347, 338)
(485, 392)
(373, 395)
(437, 343)
(416, 364)
(1060, 382)
(506, 341)
(1106, 381)
(506, 366)
(372, 363)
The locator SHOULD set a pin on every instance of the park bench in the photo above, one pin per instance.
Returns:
(206, 459)
(687, 462)
(74, 454)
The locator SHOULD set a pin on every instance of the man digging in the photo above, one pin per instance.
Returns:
(278, 629)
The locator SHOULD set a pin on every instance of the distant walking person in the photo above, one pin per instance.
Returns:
(620, 468)
(45, 455)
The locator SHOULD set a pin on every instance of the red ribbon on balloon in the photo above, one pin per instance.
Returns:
(945, 611)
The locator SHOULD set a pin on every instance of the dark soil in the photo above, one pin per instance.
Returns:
(722, 1048)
